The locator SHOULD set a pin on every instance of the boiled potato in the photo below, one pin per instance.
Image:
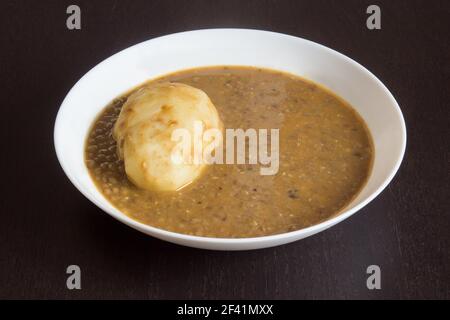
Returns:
(143, 133)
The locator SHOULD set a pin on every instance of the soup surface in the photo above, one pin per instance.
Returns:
(325, 158)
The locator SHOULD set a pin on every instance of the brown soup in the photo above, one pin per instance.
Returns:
(325, 159)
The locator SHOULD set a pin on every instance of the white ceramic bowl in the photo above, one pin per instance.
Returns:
(175, 52)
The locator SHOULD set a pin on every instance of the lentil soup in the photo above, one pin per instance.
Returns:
(325, 158)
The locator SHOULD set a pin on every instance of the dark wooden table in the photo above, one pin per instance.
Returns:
(46, 224)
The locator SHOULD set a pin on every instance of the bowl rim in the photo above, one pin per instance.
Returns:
(166, 234)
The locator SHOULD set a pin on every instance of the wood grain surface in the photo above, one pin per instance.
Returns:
(46, 224)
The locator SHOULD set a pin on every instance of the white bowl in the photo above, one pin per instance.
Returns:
(179, 51)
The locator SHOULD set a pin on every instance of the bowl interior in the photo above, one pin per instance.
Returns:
(159, 56)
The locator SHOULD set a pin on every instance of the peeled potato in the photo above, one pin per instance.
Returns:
(144, 129)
